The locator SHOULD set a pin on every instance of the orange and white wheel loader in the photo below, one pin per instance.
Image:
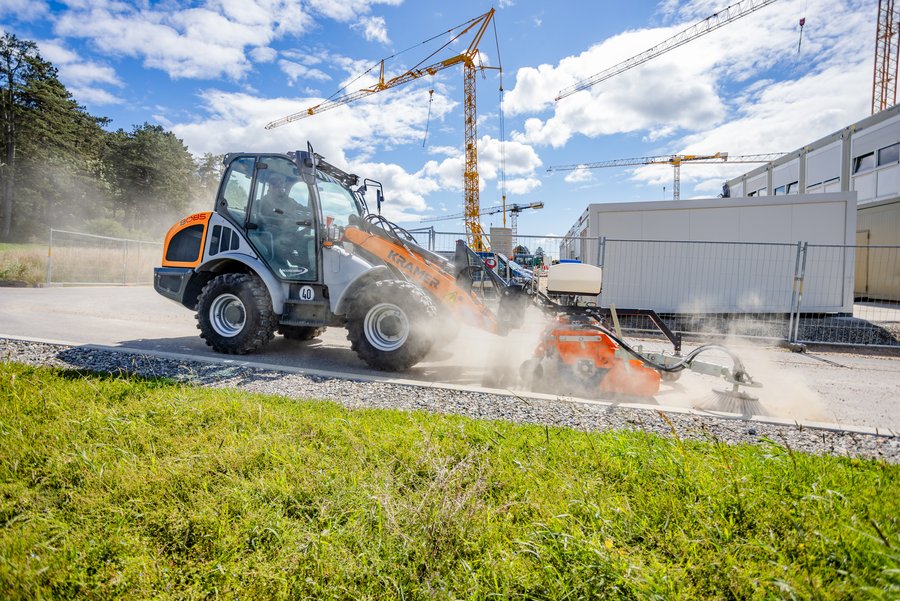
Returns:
(292, 247)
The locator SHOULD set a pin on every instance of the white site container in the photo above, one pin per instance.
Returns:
(681, 256)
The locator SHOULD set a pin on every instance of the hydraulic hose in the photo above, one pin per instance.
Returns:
(738, 372)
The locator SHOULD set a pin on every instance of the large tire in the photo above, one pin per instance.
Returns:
(390, 325)
(234, 314)
(301, 332)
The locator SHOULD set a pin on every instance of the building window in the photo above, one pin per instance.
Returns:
(865, 162)
(779, 191)
(889, 154)
(793, 187)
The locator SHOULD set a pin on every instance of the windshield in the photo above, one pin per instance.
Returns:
(337, 202)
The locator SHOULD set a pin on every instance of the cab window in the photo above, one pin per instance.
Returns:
(337, 202)
(234, 196)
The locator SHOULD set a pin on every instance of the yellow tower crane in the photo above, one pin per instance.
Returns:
(476, 237)
(676, 161)
(887, 56)
(716, 20)
(513, 210)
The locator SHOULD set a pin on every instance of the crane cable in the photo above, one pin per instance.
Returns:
(502, 128)
(396, 54)
(428, 119)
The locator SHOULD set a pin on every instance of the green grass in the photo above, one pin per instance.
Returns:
(117, 487)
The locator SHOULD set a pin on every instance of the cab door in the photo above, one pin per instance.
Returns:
(282, 224)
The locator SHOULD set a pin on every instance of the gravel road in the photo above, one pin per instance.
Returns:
(547, 411)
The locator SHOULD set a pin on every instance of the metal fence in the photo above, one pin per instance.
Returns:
(801, 292)
(79, 259)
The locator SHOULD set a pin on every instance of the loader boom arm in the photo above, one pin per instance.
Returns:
(431, 276)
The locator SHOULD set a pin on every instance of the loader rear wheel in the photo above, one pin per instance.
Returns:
(390, 325)
(300, 332)
(234, 314)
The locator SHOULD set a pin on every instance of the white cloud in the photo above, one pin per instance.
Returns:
(580, 175)
(74, 70)
(347, 10)
(94, 96)
(374, 29)
(82, 77)
(296, 71)
(343, 135)
(23, 10)
(521, 159)
(263, 54)
(687, 89)
(405, 192)
(208, 41)
(522, 185)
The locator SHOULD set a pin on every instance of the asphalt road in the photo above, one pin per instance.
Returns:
(842, 388)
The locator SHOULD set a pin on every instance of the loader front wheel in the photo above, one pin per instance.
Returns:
(234, 314)
(390, 325)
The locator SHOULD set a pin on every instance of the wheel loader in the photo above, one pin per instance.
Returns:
(292, 247)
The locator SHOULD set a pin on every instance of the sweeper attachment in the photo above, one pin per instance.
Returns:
(579, 353)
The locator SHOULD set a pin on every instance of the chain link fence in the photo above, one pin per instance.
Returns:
(799, 293)
(76, 258)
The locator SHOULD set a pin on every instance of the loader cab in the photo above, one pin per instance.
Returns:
(281, 207)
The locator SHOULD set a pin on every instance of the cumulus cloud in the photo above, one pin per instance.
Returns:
(579, 176)
(81, 76)
(263, 54)
(405, 193)
(522, 185)
(296, 71)
(374, 29)
(683, 90)
(347, 10)
(215, 38)
(23, 10)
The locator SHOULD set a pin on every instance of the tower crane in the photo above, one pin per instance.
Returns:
(711, 23)
(512, 209)
(474, 233)
(887, 56)
(675, 160)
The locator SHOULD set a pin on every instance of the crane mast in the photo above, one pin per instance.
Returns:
(887, 56)
(474, 233)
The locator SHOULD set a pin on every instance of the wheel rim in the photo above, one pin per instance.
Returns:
(386, 327)
(227, 315)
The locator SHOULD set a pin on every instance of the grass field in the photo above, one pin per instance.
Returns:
(23, 263)
(80, 259)
(126, 488)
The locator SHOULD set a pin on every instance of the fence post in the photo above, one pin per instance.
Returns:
(50, 258)
(797, 296)
(601, 251)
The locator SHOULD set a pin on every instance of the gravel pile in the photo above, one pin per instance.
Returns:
(359, 394)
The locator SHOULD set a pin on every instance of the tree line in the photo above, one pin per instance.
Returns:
(61, 167)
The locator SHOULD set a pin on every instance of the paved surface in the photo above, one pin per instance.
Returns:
(842, 388)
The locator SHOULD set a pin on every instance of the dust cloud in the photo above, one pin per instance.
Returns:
(483, 359)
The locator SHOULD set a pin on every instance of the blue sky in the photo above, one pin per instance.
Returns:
(216, 71)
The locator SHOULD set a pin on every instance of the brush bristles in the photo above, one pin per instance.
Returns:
(729, 401)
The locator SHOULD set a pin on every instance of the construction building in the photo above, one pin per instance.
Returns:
(864, 158)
